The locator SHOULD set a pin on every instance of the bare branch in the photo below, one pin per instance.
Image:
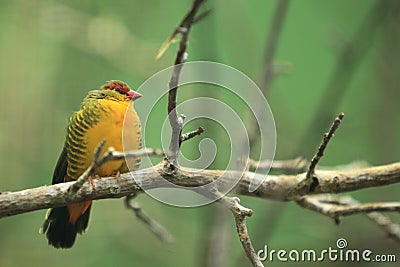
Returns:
(388, 226)
(154, 226)
(276, 187)
(202, 16)
(240, 213)
(392, 229)
(190, 135)
(366, 207)
(322, 147)
(311, 182)
(178, 30)
(337, 207)
(176, 120)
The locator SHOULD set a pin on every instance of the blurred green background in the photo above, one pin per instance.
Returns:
(53, 52)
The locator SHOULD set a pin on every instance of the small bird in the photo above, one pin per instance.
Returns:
(105, 114)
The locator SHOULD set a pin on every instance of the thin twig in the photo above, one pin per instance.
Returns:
(367, 207)
(391, 228)
(153, 225)
(202, 16)
(190, 135)
(310, 182)
(176, 120)
(240, 213)
(322, 147)
(110, 155)
(337, 207)
(178, 30)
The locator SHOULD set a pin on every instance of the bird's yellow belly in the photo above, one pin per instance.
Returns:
(111, 128)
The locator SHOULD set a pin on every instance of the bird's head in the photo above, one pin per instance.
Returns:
(118, 89)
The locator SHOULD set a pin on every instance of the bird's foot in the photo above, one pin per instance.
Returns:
(116, 174)
(91, 181)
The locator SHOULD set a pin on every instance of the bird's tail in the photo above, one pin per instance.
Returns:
(62, 224)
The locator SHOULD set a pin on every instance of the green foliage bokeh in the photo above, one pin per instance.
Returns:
(53, 51)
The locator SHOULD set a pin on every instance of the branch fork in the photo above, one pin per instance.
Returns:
(177, 120)
(310, 182)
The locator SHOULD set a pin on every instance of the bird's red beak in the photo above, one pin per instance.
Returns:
(132, 95)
